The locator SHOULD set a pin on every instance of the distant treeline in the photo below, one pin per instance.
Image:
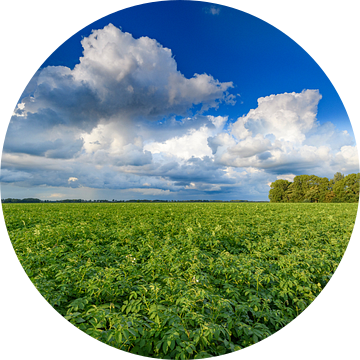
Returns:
(311, 188)
(34, 200)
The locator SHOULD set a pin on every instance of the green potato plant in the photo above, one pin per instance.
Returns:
(180, 281)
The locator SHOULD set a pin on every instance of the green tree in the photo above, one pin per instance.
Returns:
(324, 187)
(337, 177)
(347, 189)
(313, 194)
(298, 188)
(329, 196)
(277, 191)
(308, 188)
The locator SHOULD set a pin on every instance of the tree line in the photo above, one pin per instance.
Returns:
(312, 188)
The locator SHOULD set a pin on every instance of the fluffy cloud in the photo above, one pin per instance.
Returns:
(193, 144)
(220, 142)
(101, 111)
(327, 134)
(283, 136)
(251, 146)
(347, 158)
(287, 116)
(120, 78)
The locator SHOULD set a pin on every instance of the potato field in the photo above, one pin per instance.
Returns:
(180, 280)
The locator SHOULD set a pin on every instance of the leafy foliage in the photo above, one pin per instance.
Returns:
(311, 188)
(180, 281)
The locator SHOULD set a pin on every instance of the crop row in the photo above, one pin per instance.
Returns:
(180, 280)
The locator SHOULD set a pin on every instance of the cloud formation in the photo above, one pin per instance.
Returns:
(287, 116)
(120, 78)
(282, 135)
(194, 143)
(123, 119)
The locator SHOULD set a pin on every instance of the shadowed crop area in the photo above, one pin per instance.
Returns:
(178, 280)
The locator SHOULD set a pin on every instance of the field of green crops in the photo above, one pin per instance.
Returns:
(182, 280)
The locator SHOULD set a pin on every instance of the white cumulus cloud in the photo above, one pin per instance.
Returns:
(103, 111)
(120, 77)
(193, 144)
(287, 116)
(282, 135)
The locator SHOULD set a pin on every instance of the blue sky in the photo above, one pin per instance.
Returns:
(119, 112)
